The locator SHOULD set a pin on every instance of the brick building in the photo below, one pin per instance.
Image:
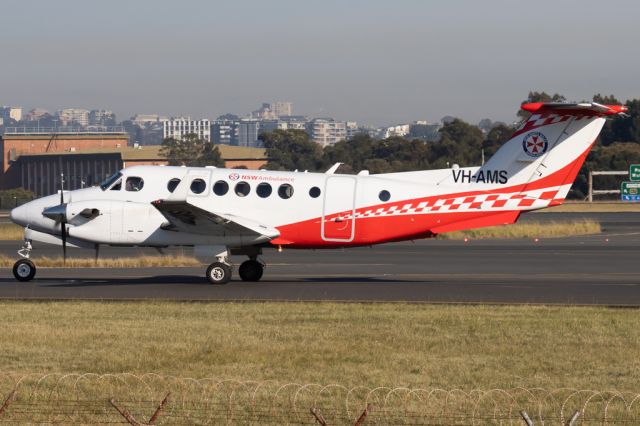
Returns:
(25, 142)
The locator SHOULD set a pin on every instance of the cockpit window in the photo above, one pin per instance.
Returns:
(134, 183)
(110, 181)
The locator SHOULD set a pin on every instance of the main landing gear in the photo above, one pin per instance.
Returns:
(220, 272)
(24, 269)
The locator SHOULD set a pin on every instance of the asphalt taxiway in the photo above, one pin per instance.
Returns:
(597, 269)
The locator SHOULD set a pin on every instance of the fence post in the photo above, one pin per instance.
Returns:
(129, 418)
(124, 413)
(526, 418)
(364, 415)
(590, 186)
(153, 418)
(8, 401)
(573, 418)
(318, 416)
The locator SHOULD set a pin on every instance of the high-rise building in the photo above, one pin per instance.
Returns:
(11, 113)
(102, 117)
(327, 131)
(37, 114)
(224, 131)
(148, 119)
(70, 116)
(282, 108)
(247, 133)
(179, 127)
(351, 128)
(272, 111)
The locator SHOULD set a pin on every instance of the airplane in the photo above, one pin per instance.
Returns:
(223, 212)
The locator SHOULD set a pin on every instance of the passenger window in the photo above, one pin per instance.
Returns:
(285, 191)
(314, 192)
(384, 195)
(220, 187)
(173, 184)
(242, 189)
(134, 183)
(263, 190)
(198, 186)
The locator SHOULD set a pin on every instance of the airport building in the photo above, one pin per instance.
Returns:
(39, 170)
(18, 142)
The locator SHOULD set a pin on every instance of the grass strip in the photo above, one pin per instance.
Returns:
(393, 344)
(529, 230)
(11, 231)
(122, 262)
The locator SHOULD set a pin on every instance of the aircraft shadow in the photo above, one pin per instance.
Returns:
(193, 279)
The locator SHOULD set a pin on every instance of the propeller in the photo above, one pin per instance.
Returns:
(63, 221)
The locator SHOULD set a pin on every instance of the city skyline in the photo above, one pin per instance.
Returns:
(373, 62)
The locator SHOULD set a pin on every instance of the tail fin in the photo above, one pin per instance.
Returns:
(544, 155)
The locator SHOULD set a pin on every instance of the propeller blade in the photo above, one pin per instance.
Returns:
(63, 234)
(61, 188)
(63, 221)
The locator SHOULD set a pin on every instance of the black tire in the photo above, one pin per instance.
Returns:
(251, 270)
(24, 270)
(219, 273)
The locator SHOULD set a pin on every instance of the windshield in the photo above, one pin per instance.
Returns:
(110, 180)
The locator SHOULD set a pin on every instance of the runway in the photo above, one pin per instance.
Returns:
(599, 269)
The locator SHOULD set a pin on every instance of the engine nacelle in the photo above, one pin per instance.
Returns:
(112, 222)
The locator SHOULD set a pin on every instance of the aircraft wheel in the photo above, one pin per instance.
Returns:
(251, 270)
(24, 270)
(219, 273)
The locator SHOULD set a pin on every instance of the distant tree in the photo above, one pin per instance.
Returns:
(496, 137)
(291, 150)
(606, 100)
(460, 143)
(616, 156)
(540, 97)
(608, 134)
(190, 150)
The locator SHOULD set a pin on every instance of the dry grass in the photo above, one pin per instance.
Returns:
(412, 345)
(11, 231)
(529, 230)
(123, 262)
(596, 207)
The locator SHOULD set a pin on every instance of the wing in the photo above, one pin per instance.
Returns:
(186, 217)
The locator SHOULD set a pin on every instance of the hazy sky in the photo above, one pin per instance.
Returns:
(377, 62)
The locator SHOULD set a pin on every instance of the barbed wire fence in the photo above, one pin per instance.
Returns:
(146, 399)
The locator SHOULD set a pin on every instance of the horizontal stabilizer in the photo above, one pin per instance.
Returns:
(583, 108)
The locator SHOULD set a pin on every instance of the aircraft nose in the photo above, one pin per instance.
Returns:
(20, 215)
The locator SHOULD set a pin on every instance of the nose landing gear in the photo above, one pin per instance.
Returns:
(24, 269)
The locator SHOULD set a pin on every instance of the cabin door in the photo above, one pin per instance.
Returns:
(338, 213)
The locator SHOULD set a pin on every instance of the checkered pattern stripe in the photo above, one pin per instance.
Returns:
(510, 201)
(539, 120)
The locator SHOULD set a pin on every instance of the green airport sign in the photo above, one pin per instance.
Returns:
(630, 191)
(634, 172)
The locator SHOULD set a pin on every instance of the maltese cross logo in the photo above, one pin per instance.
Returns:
(535, 144)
